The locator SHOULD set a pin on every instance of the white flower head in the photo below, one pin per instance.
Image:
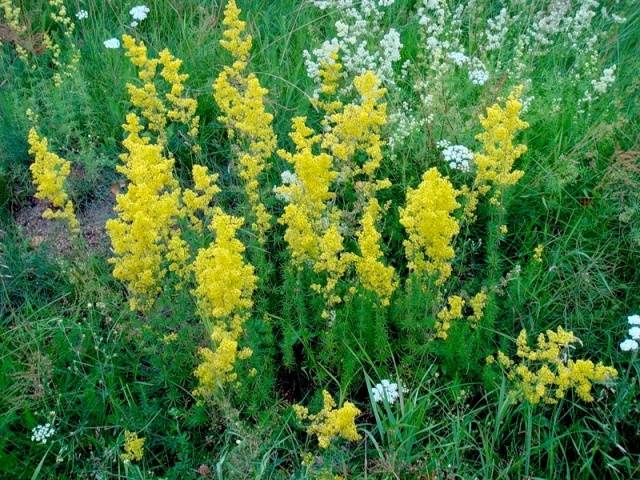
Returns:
(134, 24)
(112, 43)
(633, 319)
(42, 433)
(459, 58)
(386, 391)
(82, 15)
(629, 345)
(458, 157)
(139, 12)
(288, 178)
(634, 333)
(478, 76)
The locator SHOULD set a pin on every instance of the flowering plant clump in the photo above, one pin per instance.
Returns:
(49, 173)
(224, 289)
(147, 212)
(316, 229)
(427, 218)
(241, 99)
(157, 109)
(495, 163)
(545, 373)
(330, 423)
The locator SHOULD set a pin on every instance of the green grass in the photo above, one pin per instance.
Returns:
(70, 344)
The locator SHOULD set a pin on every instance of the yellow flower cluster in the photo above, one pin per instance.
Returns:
(494, 164)
(445, 316)
(218, 366)
(372, 273)
(147, 212)
(179, 107)
(331, 423)
(477, 303)
(63, 70)
(537, 253)
(133, 447)
(225, 283)
(330, 73)
(546, 373)
(199, 199)
(430, 226)
(316, 233)
(11, 14)
(49, 173)
(356, 128)
(308, 195)
(224, 290)
(241, 99)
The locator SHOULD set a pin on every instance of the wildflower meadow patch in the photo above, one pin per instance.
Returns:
(319, 239)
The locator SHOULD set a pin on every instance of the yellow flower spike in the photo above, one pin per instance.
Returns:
(223, 292)
(356, 127)
(307, 193)
(241, 99)
(537, 253)
(477, 303)
(331, 423)
(147, 214)
(224, 282)
(372, 273)
(178, 107)
(49, 173)
(495, 162)
(427, 218)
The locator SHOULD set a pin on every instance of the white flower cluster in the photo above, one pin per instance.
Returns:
(112, 43)
(138, 13)
(496, 32)
(402, 123)
(386, 391)
(42, 433)
(362, 42)
(478, 75)
(550, 23)
(82, 15)
(458, 157)
(602, 84)
(441, 32)
(288, 178)
(631, 344)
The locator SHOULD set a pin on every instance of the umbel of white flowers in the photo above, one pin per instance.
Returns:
(631, 344)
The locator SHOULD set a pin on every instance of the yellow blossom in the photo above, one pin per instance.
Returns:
(537, 253)
(147, 212)
(545, 373)
(308, 195)
(477, 303)
(495, 162)
(133, 447)
(372, 273)
(49, 173)
(330, 422)
(241, 99)
(430, 226)
(178, 107)
(223, 292)
(356, 128)
(453, 311)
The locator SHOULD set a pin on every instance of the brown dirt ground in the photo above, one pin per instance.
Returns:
(92, 218)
